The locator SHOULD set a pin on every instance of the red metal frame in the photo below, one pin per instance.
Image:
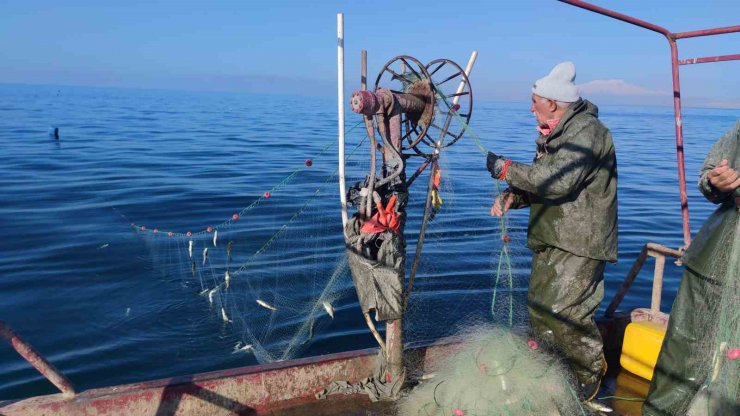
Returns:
(37, 360)
(675, 63)
(53, 375)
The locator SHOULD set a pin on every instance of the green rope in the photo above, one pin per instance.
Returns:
(627, 399)
(504, 258)
(295, 216)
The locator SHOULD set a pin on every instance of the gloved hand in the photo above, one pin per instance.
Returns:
(495, 164)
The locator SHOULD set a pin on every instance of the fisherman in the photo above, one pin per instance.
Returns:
(685, 357)
(571, 190)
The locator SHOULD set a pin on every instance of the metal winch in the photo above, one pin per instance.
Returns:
(418, 110)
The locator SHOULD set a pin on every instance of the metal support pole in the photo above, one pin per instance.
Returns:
(679, 145)
(340, 109)
(628, 280)
(657, 282)
(394, 345)
(37, 360)
(676, 92)
(709, 59)
(435, 157)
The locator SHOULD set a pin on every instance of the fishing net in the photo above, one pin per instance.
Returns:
(275, 275)
(271, 272)
(495, 373)
(720, 392)
(495, 370)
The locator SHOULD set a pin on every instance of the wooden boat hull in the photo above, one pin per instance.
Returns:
(261, 389)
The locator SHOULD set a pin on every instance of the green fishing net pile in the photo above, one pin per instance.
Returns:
(495, 373)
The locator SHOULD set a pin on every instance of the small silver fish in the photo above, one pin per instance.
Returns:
(205, 255)
(190, 248)
(128, 311)
(192, 267)
(223, 316)
(204, 291)
(598, 407)
(227, 279)
(215, 237)
(242, 348)
(103, 246)
(329, 309)
(211, 293)
(229, 248)
(266, 305)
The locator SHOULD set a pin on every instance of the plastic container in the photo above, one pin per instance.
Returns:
(643, 338)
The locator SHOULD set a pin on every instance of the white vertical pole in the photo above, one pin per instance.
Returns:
(340, 109)
(468, 68)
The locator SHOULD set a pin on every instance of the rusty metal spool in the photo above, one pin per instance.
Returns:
(407, 75)
(436, 84)
(454, 96)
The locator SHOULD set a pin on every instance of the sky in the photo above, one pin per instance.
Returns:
(289, 46)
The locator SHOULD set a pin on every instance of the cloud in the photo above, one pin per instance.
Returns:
(617, 87)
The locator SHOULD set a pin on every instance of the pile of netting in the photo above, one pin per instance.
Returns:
(495, 373)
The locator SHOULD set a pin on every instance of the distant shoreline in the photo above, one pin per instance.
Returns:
(601, 101)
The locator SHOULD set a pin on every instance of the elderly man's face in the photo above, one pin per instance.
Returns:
(543, 109)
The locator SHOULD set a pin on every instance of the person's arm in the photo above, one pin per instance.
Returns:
(718, 181)
(519, 198)
(559, 174)
(509, 198)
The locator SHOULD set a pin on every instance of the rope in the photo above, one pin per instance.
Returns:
(235, 217)
(504, 258)
(298, 213)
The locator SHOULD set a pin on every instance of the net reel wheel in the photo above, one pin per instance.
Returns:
(450, 82)
(414, 79)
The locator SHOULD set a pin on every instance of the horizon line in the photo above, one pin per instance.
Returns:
(238, 92)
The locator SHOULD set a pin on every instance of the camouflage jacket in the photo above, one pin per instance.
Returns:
(709, 252)
(571, 187)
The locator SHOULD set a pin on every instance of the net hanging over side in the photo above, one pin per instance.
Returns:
(275, 276)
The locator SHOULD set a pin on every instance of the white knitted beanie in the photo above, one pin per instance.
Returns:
(559, 84)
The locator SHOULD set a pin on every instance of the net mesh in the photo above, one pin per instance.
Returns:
(495, 373)
(720, 392)
(275, 275)
(275, 293)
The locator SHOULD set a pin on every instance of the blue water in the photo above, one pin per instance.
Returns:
(83, 288)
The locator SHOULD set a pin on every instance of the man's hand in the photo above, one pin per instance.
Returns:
(495, 164)
(502, 204)
(724, 178)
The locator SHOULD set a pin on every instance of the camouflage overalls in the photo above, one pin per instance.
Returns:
(571, 189)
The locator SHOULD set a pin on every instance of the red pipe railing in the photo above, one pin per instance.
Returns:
(708, 59)
(37, 360)
(707, 32)
(675, 63)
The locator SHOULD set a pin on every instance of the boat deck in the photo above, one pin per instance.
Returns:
(622, 385)
(289, 387)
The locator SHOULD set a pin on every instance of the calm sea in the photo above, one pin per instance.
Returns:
(87, 291)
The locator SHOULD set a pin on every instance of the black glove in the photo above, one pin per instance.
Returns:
(495, 164)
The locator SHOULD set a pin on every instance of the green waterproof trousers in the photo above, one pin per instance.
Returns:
(685, 357)
(564, 292)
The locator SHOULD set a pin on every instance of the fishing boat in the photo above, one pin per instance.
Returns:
(283, 388)
(293, 387)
